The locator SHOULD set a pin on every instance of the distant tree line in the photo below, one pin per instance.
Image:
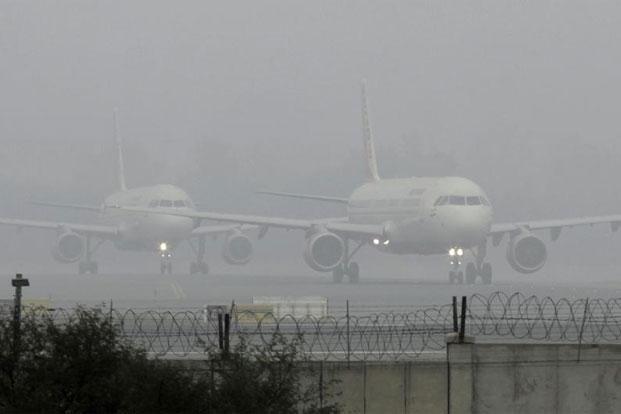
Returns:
(84, 365)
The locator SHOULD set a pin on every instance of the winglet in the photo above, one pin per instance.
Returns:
(367, 134)
(120, 166)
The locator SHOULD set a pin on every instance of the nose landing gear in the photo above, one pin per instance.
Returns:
(473, 270)
(455, 256)
(166, 263)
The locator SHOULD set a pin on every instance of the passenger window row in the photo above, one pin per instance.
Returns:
(168, 203)
(455, 200)
(407, 202)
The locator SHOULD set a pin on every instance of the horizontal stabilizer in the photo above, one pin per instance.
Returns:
(328, 199)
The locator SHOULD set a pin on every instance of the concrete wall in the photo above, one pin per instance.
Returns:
(477, 379)
(382, 387)
(488, 378)
(485, 378)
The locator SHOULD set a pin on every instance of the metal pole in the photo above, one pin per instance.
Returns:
(220, 332)
(455, 323)
(584, 316)
(227, 330)
(18, 283)
(348, 337)
(462, 331)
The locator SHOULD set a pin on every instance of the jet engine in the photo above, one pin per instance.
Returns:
(526, 253)
(69, 247)
(324, 251)
(237, 249)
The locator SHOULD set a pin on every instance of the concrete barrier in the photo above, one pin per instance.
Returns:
(473, 378)
(485, 378)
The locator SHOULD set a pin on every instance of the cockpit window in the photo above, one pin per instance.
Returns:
(473, 200)
(457, 200)
(484, 201)
(179, 203)
(154, 203)
(441, 201)
(166, 203)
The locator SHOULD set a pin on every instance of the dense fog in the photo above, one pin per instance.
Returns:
(225, 98)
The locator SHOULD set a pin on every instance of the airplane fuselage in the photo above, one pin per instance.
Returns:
(147, 231)
(424, 215)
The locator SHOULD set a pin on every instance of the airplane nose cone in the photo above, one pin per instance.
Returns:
(469, 227)
(172, 227)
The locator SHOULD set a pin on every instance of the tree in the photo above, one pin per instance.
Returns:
(84, 365)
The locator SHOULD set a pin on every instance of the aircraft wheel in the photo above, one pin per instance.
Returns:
(486, 273)
(353, 271)
(471, 273)
(451, 277)
(94, 268)
(193, 268)
(163, 268)
(169, 268)
(203, 268)
(337, 274)
(81, 268)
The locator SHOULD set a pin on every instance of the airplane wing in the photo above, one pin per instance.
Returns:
(221, 229)
(86, 229)
(71, 206)
(555, 226)
(337, 225)
(339, 200)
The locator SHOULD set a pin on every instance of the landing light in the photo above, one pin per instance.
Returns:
(376, 242)
(460, 252)
(386, 242)
(163, 247)
(452, 252)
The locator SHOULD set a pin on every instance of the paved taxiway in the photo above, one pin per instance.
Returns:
(371, 294)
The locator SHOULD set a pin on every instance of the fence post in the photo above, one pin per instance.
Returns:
(227, 330)
(220, 332)
(462, 330)
(321, 385)
(584, 316)
(455, 323)
(348, 337)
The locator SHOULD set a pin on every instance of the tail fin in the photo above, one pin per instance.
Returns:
(367, 134)
(120, 165)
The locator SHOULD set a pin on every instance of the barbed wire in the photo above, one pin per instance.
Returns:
(389, 335)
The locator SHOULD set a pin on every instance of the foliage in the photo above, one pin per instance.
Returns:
(83, 365)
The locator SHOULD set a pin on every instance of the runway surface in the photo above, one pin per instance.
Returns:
(372, 294)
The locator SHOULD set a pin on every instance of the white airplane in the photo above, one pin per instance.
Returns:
(417, 216)
(132, 231)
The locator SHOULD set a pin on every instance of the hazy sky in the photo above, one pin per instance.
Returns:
(226, 97)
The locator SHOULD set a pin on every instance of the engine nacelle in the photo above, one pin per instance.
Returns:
(69, 248)
(324, 251)
(237, 249)
(526, 253)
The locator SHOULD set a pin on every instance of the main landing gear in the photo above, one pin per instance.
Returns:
(479, 268)
(88, 265)
(199, 266)
(347, 267)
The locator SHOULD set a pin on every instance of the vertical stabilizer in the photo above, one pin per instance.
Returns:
(367, 134)
(120, 166)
